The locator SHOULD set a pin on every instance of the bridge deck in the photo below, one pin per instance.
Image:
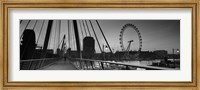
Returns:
(60, 65)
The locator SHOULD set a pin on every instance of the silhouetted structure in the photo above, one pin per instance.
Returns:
(28, 45)
(160, 53)
(88, 47)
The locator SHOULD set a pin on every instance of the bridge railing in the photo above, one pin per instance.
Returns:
(33, 64)
(90, 64)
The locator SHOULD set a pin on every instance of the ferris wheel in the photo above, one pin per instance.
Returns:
(128, 47)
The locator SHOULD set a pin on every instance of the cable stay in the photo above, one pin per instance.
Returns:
(69, 33)
(81, 29)
(74, 41)
(55, 44)
(40, 31)
(34, 25)
(82, 36)
(46, 42)
(58, 31)
(87, 27)
(61, 42)
(84, 27)
(38, 38)
(104, 36)
(72, 37)
(95, 36)
(25, 28)
(61, 51)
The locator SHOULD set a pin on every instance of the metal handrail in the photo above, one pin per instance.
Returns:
(125, 64)
(28, 60)
(33, 64)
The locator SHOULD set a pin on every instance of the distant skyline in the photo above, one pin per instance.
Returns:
(156, 34)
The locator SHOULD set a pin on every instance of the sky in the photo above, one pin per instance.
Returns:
(156, 34)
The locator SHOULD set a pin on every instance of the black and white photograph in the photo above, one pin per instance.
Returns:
(102, 44)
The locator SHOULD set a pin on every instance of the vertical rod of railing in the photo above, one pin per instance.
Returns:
(91, 62)
(83, 63)
(127, 67)
(86, 65)
(99, 64)
(80, 64)
(102, 66)
(106, 64)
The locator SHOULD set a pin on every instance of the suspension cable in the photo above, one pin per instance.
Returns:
(103, 36)
(69, 33)
(66, 33)
(84, 34)
(84, 27)
(59, 26)
(40, 32)
(38, 38)
(58, 33)
(87, 27)
(80, 41)
(81, 35)
(54, 45)
(74, 41)
(95, 35)
(25, 28)
(72, 38)
(65, 43)
(50, 41)
(81, 28)
(60, 43)
(34, 25)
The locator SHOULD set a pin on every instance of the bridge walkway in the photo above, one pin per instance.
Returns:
(60, 65)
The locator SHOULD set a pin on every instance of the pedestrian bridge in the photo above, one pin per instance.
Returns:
(81, 64)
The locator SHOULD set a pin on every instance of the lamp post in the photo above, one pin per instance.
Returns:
(178, 51)
(104, 51)
(106, 48)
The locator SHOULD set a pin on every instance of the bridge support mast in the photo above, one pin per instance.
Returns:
(50, 23)
(77, 37)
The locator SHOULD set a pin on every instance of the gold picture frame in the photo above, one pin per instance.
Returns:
(7, 4)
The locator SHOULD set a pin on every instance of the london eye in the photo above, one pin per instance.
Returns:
(121, 39)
